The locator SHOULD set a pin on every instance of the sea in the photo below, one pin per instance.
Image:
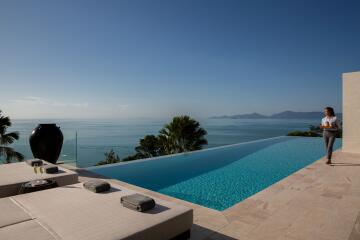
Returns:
(87, 140)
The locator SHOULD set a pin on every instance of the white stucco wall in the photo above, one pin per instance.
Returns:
(351, 112)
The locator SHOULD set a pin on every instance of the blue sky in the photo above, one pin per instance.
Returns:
(125, 59)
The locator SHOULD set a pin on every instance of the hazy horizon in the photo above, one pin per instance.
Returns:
(158, 59)
(151, 118)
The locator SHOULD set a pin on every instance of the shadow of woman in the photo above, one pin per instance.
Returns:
(346, 164)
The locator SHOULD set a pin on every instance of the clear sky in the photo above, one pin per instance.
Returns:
(131, 58)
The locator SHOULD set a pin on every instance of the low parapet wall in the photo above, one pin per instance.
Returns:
(351, 112)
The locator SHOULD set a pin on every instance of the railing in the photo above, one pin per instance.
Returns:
(68, 153)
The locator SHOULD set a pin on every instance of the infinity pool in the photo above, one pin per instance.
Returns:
(220, 177)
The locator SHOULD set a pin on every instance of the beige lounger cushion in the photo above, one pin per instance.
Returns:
(31, 230)
(73, 212)
(11, 213)
(14, 174)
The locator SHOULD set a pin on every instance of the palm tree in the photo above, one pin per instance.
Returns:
(6, 139)
(110, 157)
(182, 134)
(149, 146)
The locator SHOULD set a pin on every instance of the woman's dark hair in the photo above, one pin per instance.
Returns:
(330, 111)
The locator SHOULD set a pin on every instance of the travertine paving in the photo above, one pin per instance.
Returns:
(318, 202)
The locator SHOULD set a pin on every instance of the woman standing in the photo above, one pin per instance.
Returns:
(330, 125)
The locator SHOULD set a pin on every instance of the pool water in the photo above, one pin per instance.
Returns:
(218, 178)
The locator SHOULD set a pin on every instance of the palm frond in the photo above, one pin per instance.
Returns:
(10, 154)
(8, 138)
(4, 123)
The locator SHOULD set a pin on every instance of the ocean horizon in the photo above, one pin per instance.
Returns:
(97, 136)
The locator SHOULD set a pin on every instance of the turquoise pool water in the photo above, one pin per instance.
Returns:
(220, 177)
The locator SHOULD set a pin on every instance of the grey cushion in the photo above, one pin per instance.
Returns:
(138, 202)
(97, 186)
(33, 162)
(49, 168)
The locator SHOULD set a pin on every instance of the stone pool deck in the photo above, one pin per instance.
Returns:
(318, 202)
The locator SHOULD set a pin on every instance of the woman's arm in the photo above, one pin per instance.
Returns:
(338, 124)
(335, 125)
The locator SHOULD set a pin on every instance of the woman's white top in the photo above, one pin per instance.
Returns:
(333, 121)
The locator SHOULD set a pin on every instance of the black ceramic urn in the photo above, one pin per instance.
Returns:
(46, 142)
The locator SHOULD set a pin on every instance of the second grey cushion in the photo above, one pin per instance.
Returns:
(138, 202)
(97, 186)
(49, 168)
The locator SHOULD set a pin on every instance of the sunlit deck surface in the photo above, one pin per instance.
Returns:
(317, 202)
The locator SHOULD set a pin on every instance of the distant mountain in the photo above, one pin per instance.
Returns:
(301, 115)
(297, 115)
(281, 115)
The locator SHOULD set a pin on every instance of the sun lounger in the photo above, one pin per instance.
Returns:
(11, 213)
(73, 212)
(14, 222)
(32, 229)
(13, 175)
